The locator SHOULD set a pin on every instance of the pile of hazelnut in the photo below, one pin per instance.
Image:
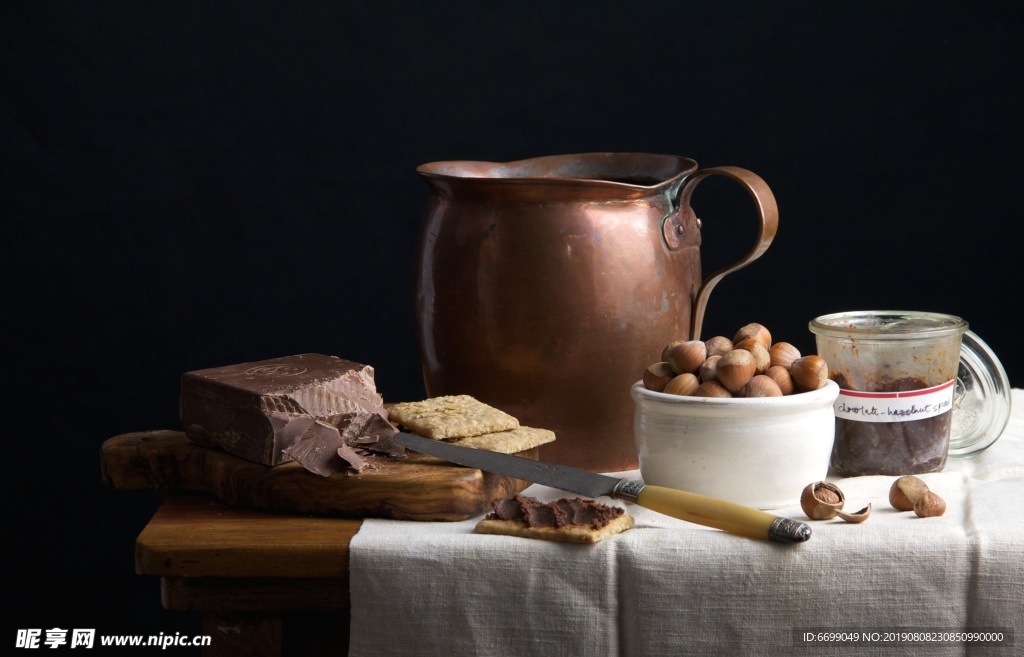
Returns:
(748, 365)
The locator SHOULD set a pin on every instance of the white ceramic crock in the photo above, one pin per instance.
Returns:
(759, 452)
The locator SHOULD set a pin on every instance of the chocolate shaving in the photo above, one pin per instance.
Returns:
(318, 450)
(354, 460)
(370, 431)
(341, 442)
(325, 448)
(290, 426)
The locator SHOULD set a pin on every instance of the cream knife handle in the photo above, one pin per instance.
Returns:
(727, 516)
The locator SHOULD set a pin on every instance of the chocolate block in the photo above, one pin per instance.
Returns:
(257, 410)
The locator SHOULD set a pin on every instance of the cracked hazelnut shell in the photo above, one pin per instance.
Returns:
(822, 500)
(857, 516)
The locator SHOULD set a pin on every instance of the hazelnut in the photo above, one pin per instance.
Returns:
(761, 386)
(906, 491)
(761, 357)
(685, 385)
(783, 354)
(708, 369)
(929, 505)
(668, 348)
(809, 373)
(712, 389)
(735, 368)
(718, 345)
(822, 500)
(781, 377)
(685, 356)
(657, 376)
(756, 331)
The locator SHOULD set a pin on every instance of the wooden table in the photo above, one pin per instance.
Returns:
(265, 583)
(268, 582)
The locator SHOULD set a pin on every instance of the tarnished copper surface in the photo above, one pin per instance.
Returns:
(546, 286)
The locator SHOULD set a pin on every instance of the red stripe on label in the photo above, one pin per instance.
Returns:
(898, 395)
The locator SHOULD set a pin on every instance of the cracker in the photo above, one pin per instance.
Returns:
(508, 442)
(570, 534)
(504, 442)
(454, 416)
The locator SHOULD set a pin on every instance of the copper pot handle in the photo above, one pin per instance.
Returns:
(768, 210)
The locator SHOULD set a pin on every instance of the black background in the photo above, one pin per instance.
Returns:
(187, 185)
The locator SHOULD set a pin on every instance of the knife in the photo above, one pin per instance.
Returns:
(692, 507)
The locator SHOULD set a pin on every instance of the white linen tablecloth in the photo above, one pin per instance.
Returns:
(667, 587)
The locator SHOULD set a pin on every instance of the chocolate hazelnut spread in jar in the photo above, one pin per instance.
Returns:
(897, 374)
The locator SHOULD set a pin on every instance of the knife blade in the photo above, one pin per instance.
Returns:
(691, 507)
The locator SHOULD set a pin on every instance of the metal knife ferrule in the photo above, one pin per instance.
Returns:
(627, 490)
(784, 530)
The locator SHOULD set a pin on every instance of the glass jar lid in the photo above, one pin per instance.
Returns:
(981, 403)
(887, 325)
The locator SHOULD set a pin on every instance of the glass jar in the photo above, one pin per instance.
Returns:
(897, 374)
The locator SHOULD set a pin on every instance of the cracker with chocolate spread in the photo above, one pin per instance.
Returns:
(450, 417)
(574, 520)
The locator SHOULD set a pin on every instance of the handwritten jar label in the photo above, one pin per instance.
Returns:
(895, 406)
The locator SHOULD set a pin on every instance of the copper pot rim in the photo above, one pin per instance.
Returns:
(605, 169)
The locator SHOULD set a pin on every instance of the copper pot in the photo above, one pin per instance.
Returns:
(546, 286)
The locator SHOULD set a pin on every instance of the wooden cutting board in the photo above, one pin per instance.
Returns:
(418, 488)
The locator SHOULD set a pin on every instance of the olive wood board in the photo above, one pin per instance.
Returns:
(418, 487)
